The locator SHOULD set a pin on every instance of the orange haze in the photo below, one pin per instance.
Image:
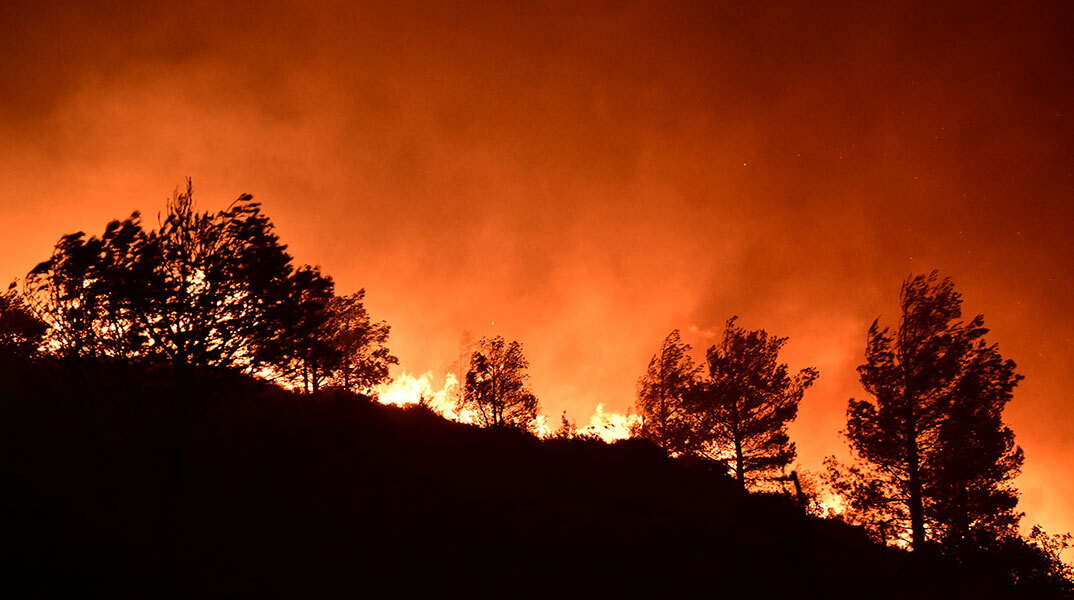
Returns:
(584, 177)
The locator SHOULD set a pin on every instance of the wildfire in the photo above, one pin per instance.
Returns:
(609, 426)
(407, 389)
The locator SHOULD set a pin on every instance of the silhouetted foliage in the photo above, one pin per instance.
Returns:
(138, 456)
(567, 429)
(21, 333)
(742, 407)
(361, 357)
(84, 292)
(497, 386)
(1050, 573)
(332, 341)
(661, 396)
(935, 460)
(303, 352)
(213, 290)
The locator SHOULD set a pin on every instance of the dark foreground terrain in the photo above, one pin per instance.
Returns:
(152, 483)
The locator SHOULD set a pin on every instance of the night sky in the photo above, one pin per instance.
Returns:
(585, 177)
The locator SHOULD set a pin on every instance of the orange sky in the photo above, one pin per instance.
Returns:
(586, 178)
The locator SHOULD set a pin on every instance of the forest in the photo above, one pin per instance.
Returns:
(188, 411)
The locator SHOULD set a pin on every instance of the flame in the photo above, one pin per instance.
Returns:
(407, 389)
(543, 431)
(609, 426)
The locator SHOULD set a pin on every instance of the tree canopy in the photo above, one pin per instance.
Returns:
(338, 345)
(205, 290)
(21, 333)
(662, 392)
(497, 386)
(935, 460)
(742, 406)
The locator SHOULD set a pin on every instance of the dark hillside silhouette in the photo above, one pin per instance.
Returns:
(279, 493)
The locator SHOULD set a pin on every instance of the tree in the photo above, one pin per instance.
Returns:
(362, 357)
(219, 286)
(497, 386)
(84, 292)
(742, 408)
(661, 395)
(936, 462)
(567, 429)
(303, 353)
(336, 342)
(203, 290)
(21, 333)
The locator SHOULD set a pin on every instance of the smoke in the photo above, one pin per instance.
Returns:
(586, 178)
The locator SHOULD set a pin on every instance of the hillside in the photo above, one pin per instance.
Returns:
(142, 481)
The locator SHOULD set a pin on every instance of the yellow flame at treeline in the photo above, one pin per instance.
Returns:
(406, 390)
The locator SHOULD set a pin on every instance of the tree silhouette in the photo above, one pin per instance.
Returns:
(84, 291)
(741, 409)
(362, 358)
(936, 461)
(661, 395)
(335, 342)
(303, 354)
(567, 429)
(203, 289)
(497, 386)
(21, 333)
(219, 285)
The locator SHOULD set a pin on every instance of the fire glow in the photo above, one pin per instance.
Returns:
(442, 398)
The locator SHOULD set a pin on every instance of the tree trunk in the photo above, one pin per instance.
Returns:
(663, 422)
(305, 376)
(663, 409)
(740, 468)
(917, 511)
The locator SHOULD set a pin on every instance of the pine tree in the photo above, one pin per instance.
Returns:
(742, 408)
(661, 395)
(936, 462)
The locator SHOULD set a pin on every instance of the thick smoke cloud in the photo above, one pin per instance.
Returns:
(585, 178)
